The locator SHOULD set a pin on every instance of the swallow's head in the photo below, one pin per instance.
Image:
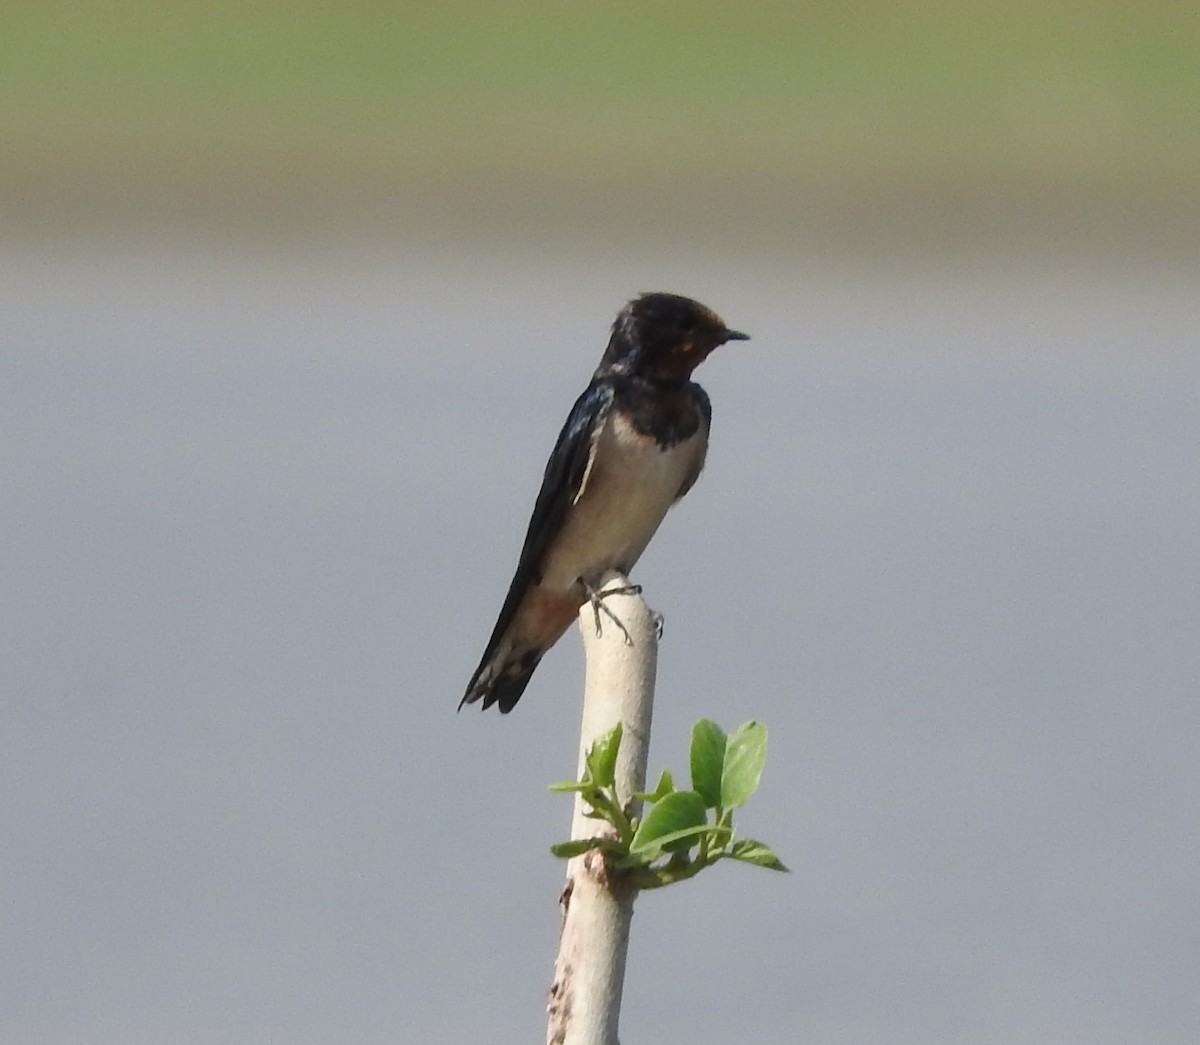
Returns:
(664, 336)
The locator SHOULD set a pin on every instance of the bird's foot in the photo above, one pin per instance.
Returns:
(596, 598)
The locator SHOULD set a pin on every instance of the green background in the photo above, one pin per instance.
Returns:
(781, 119)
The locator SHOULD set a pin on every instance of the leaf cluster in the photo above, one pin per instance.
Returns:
(683, 831)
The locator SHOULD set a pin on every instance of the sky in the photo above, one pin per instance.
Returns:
(262, 505)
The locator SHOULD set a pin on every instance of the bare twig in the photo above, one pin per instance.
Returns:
(597, 907)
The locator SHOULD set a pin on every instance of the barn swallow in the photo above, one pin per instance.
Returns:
(633, 445)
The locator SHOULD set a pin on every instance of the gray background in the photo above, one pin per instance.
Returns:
(260, 508)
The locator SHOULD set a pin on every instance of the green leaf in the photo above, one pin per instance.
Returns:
(722, 835)
(602, 757)
(664, 787)
(707, 761)
(745, 754)
(576, 847)
(752, 852)
(678, 811)
(570, 785)
(601, 804)
(670, 841)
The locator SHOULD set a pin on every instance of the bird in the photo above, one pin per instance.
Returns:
(633, 444)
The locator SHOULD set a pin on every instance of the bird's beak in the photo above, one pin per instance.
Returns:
(736, 335)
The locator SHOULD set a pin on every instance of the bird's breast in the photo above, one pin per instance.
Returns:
(630, 482)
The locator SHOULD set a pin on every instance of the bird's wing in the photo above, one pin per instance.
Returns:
(705, 407)
(566, 473)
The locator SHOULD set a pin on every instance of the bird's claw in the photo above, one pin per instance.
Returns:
(596, 598)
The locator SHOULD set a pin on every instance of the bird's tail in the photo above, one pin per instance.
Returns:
(502, 678)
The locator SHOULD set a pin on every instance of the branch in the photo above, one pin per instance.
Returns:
(597, 903)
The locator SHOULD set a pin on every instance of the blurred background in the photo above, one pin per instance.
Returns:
(295, 299)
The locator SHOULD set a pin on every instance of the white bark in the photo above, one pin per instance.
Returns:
(585, 1000)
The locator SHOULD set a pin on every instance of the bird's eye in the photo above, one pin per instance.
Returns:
(687, 324)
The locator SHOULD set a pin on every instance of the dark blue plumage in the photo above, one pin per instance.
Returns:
(633, 444)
